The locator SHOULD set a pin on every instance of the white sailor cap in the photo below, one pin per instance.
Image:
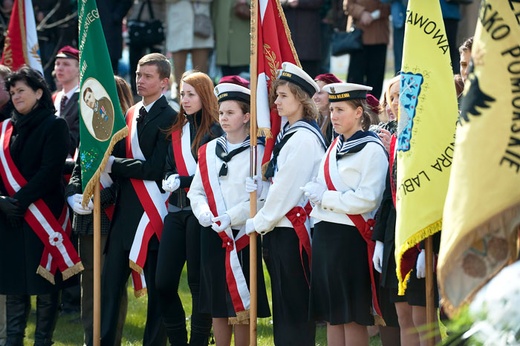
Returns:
(296, 75)
(346, 91)
(230, 91)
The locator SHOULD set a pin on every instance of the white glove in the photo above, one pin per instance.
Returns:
(108, 166)
(377, 259)
(205, 219)
(75, 203)
(421, 265)
(225, 221)
(314, 191)
(250, 226)
(171, 183)
(254, 184)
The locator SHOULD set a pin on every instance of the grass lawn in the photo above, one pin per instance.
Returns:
(69, 331)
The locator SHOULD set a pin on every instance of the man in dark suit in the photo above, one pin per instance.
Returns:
(111, 13)
(66, 68)
(137, 166)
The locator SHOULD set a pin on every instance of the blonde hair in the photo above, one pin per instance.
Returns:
(310, 111)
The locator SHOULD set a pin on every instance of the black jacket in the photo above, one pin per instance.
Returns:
(39, 146)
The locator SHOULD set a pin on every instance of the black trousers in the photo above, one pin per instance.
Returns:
(290, 288)
(368, 67)
(18, 307)
(180, 244)
(113, 284)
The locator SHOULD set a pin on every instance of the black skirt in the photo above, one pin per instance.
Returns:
(340, 278)
(214, 294)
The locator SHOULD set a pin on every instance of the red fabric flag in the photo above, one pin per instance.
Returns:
(21, 43)
(274, 46)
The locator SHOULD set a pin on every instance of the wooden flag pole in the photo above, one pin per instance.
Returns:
(431, 315)
(97, 266)
(253, 265)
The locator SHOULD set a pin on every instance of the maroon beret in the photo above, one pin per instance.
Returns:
(327, 78)
(373, 102)
(68, 52)
(235, 80)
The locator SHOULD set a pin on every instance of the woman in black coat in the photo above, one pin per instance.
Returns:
(35, 144)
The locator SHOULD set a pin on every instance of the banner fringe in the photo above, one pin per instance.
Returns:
(242, 317)
(410, 243)
(135, 266)
(89, 188)
(508, 218)
(45, 274)
(71, 271)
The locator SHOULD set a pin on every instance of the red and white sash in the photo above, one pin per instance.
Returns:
(153, 203)
(299, 218)
(59, 253)
(184, 160)
(365, 227)
(236, 281)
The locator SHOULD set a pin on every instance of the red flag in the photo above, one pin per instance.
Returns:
(274, 46)
(21, 43)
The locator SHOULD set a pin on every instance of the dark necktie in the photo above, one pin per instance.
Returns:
(142, 114)
(63, 102)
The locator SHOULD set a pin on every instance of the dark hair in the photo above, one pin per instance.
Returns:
(163, 64)
(369, 117)
(466, 45)
(203, 86)
(35, 81)
(87, 90)
(310, 111)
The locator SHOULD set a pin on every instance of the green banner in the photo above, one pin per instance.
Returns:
(102, 123)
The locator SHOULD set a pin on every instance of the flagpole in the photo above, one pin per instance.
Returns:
(253, 265)
(431, 315)
(97, 266)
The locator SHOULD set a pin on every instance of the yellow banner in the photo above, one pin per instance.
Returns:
(426, 127)
(482, 210)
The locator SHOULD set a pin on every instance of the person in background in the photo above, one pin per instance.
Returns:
(231, 36)
(181, 39)
(111, 14)
(304, 22)
(137, 167)
(321, 100)
(283, 220)
(36, 143)
(66, 68)
(451, 18)
(5, 113)
(367, 66)
(346, 194)
(398, 13)
(84, 228)
(219, 188)
(180, 243)
(465, 57)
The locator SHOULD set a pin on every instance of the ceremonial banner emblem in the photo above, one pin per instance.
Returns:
(482, 210)
(426, 126)
(101, 122)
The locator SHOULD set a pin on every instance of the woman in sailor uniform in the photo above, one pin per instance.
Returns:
(346, 195)
(196, 125)
(284, 220)
(219, 188)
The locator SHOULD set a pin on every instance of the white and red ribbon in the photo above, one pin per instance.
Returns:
(365, 228)
(153, 203)
(236, 281)
(59, 253)
(184, 160)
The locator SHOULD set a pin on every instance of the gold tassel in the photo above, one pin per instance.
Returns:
(135, 267)
(140, 293)
(71, 271)
(45, 274)
(242, 317)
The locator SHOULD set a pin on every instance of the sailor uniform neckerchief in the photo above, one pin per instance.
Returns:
(356, 143)
(287, 133)
(221, 151)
